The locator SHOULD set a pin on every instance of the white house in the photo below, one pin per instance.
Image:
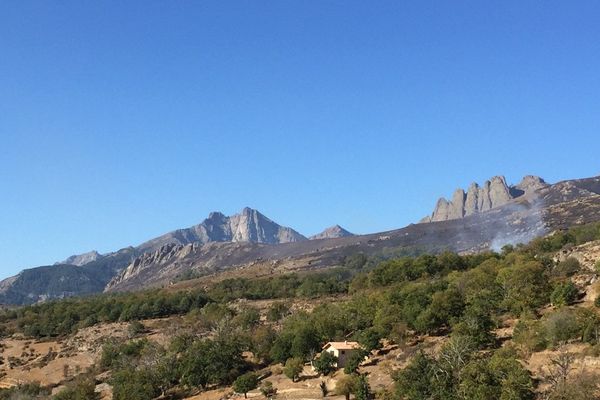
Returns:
(342, 350)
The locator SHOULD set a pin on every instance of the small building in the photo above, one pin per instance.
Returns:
(342, 350)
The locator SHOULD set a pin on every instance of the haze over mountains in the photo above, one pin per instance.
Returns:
(484, 217)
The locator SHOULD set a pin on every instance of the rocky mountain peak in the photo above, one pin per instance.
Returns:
(216, 216)
(332, 232)
(493, 193)
(530, 184)
(81, 259)
(249, 225)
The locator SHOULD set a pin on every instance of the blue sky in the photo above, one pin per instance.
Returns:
(120, 120)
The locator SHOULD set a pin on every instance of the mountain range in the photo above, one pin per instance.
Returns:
(483, 217)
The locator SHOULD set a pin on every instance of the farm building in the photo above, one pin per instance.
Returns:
(342, 350)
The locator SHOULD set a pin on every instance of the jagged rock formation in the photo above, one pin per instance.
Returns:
(247, 226)
(494, 193)
(81, 259)
(332, 232)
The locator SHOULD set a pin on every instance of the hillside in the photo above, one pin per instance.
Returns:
(521, 322)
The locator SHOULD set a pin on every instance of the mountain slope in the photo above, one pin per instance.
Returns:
(91, 272)
(517, 221)
(64, 280)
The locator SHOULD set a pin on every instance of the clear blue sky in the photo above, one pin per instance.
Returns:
(122, 120)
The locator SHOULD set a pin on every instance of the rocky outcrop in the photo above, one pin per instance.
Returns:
(247, 226)
(493, 193)
(332, 232)
(81, 259)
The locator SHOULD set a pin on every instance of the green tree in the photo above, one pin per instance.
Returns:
(245, 383)
(354, 361)
(293, 367)
(212, 362)
(362, 389)
(267, 389)
(564, 294)
(561, 326)
(325, 363)
(524, 286)
(134, 384)
(345, 386)
(370, 339)
(414, 381)
(477, 323)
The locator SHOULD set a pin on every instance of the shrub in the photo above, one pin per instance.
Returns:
(245, 383)
(568, 267)
(267, 389)
(529, 335)
(354, 361)
(135, 328)
(325, 364)
(561, 326)
(345, 386)
(293, 367)
(82, 389)
(563, 294)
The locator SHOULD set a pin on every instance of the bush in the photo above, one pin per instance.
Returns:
(135, 328)
(564, 294)
(277, 311)
(245, 383)
(325, 364)
(293, 367)
(568, 267)
(561, 326)
(82, 389)
(134, 384)
(529, 335)
(267, 389)
(354, 361)
(346, 385)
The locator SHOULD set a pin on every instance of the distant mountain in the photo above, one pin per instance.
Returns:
(91, 272)
(247, 226)
(494, 193)
(539, 210)
(64, 280)
(81, 259)
(485, 217)
(332, 232)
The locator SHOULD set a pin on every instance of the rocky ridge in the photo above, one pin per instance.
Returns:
(493, 193)
(81, 259)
